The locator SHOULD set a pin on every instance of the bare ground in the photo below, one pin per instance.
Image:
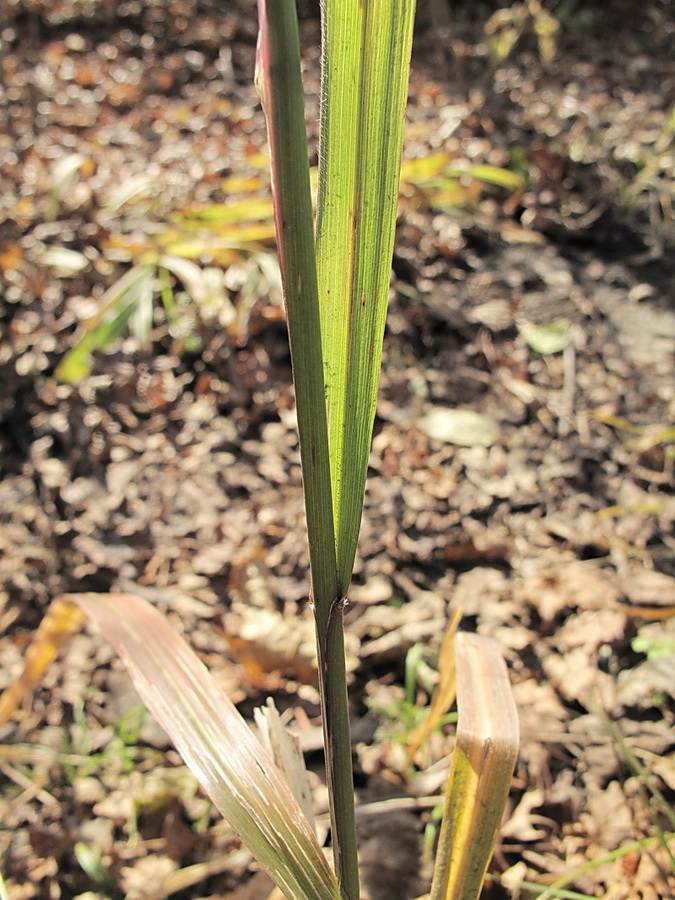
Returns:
(173, 470)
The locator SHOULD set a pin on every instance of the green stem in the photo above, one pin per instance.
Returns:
(280, 85)
(337, 743)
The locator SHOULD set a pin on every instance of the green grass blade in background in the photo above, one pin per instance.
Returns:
(278, 77)
(365, 56)
(131, 292)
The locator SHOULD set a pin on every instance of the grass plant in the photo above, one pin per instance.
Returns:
(335, 275)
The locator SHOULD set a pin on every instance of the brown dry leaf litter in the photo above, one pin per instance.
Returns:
(176, 473)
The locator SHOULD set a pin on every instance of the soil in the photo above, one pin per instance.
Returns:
(172, 469)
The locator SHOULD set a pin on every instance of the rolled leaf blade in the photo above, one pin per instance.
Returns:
(480, 774)
(279, 83)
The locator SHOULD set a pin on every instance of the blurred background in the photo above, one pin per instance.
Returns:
(522, 466)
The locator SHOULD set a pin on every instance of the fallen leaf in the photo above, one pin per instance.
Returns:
(550, 338)
(459, 426)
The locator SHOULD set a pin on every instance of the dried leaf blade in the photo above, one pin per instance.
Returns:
(215, 742)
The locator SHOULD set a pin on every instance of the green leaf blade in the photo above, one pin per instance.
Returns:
(129, 294)
(280, 87)
(366, 58)
(337, 211)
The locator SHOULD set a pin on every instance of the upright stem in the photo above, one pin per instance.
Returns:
(338, 748)
(280, 85)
